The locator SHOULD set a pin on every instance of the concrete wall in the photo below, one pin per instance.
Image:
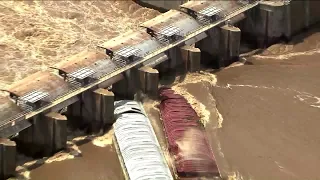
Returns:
(271, 21)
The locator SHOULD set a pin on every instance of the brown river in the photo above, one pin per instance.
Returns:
(261, 114)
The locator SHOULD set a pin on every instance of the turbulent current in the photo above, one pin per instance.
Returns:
(37, 34)
(261, 114)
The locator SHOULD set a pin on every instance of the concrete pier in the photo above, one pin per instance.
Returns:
(314, 13)
(47, 136)
(56, 139)
(211, 43)
(301, 15)
(94, 110)
(222, 44)
(164, 43)
(265, 24)
(175, 58)
(8, 158)
(297, 16)
(149, 80)
(191, 57)
(229, 45)
(104, 108)
(74, 114)
(274, 20)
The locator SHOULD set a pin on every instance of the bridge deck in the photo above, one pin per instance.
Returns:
(81, 60)
(138, 39)
(75, 92)
(8, 108)
(42, 81)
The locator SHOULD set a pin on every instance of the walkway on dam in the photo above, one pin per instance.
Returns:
(46, 92)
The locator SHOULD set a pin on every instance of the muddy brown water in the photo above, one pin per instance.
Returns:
(271, 111)
(38, 34)
(94, 163)
(261, 117)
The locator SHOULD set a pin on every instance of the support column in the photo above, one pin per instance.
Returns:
(56, 138)
(149, 80)
(8, 158)
(314, 13)
(93, 105)
(74, 114)
(297, 16)
(229, 45)
(209, 47)
(266, 24)
(211, 43)
(301, 15)
(93, 111)
(103, 110)
(191, 57)
(46, 136)
(175, 58)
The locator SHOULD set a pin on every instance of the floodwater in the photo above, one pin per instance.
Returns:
(265, 112)
(271, 108)
(261, 114)
(38, 34)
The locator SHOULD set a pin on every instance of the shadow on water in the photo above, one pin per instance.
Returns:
(27, 163)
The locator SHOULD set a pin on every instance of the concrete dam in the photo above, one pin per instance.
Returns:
(38, 109)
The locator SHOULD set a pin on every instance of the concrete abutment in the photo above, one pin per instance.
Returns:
(273, 21)
(7, 158)
(222, 45)
(46, 136)
(192, 58)
(94, 111)
(229, 45)
(149, 81)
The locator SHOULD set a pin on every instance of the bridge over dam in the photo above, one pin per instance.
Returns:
(80, 91)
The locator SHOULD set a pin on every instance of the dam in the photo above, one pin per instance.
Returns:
(89, 82)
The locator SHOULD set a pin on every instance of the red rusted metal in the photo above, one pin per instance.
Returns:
(197, 6)
(43, 80)
(130, 38)
(182, 128)
(164, 20)
(81, 60)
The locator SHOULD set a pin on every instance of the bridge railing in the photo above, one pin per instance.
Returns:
(118, 70)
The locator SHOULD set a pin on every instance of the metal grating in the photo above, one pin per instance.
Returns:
(128, 51)
(203, 19)
(24, 106)
(82, 73)
(34, 96)
(118, 67)
(119, 61)
(74, 82)
(210, 11)
(170, 31)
